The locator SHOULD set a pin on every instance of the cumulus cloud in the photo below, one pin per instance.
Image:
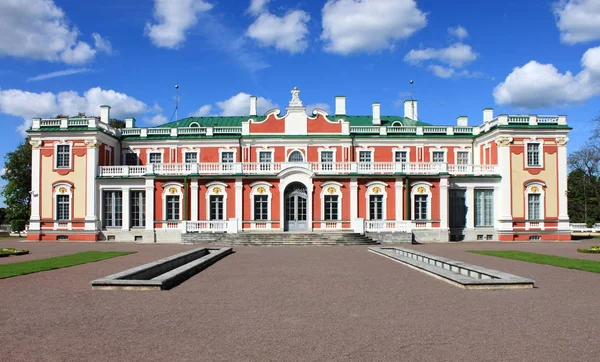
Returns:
(456, 55)
(578, 20)
(238, 105)
(38, 29)
(173, 19)
(323, 106)
(102, 44)
(156, 120)
(19, 103)
(353, 26)
(284, 33)
(536, 85)
(458, 32)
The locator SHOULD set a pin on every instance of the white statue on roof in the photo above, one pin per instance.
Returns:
(295, 102)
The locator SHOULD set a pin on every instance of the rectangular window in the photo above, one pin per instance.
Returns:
(533, 155)
(261, 207)
(265, 159)
(439, 156)
(216, 207)
(365, 160)
(154, 157)
(331, 207)
(326, 160)
(401, 156)
(63, 207)
(227, 157)
(113, 209)
(138, 208)
(376, 207)
(420, 207)
(131, 159)
(484, 208)
(172, 207)
(63, 156)
(458, 208)
(191, 157)
(462, 157)
(533, 207)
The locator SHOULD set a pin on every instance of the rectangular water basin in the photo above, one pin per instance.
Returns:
(163, 274)
(453, 271)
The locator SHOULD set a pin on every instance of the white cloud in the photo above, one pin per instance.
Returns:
(258, 6)
(441, 71)
(202, 111)
(536, 85)
(458, 32)
(287, 33)
(237, 105)
(323, 106)
(456, 55)
(352, 26)
(578, 20)
(38, 29)
(27, 105)
(156, 120)
(60, 73)
(102, 44)
(174, 18)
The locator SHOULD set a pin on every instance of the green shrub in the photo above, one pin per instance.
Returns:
(591, 250)
(17, 226)
(13, 251)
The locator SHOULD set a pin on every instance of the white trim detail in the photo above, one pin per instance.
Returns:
(331, 188)
(172, 189)
(438, 149)
(63, 143)
(376, 188)
(421, 188)
(216, 188)
(535, 188)
(62, 188)
(261, 188)
(526, 143)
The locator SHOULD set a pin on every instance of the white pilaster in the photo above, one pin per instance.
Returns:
(444, 203)
(505, 196)
(470, 204)
(239, 202)
(399, 199)
(353, 198)
(126, 209)
(149, 204)
(34, 223)
(91, 189)
(194, 200)
(563, 207)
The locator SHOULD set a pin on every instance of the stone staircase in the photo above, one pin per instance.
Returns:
(279, 239)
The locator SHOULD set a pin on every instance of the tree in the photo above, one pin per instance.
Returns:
(18, 176)
(116, 123)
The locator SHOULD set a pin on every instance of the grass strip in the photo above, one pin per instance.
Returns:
(58, 262)
(559, 261)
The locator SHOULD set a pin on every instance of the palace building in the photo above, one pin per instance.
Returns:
(505, 179)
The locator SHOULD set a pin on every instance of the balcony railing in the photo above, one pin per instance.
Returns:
(320, 168)
(403, 226)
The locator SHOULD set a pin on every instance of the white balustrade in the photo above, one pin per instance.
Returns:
(50, 123)
(206, 226)
(518, 119)
(158, 131)
(435, 130)
(191, 130)
(402, 129)
(131, 131)
(547, 119)
(463, 130)
(364, 129)
(403, 226)
(78, 122)
(227, 130)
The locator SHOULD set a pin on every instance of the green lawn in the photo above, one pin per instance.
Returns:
(34, 266)
(560, 261)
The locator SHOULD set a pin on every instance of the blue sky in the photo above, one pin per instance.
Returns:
(64, 56)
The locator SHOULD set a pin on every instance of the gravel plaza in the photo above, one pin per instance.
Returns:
(300, 304)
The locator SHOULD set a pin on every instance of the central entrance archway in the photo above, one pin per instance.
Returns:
(295, 207)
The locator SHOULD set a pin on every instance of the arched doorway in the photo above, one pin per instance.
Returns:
(295, 207)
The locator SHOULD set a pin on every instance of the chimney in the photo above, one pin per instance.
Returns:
(253, 105)
(340, 106)
(104, 113)
(462, 121)
(488, 115)
(130, 122)
(376, 114)
(410, 110)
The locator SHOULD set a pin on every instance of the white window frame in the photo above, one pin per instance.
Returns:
(365, 166)
(103, 203)
(371, 190)
(211, 189)
(194, 124)
(333, 150)
(526, 144)
(438, 149)
(178, 191)
(63, 143)
(162, 156)
(400, 166)
(254, 192)
(228, 150)
(336, 187)
(62, 189)
(535, 187)
(131, 152)
(475, 211)
(465, 150)
(292, 150)
(191, 151)
(426, 191)
(143, 209)
(265, 166)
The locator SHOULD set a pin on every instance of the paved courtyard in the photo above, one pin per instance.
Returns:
(300, 304)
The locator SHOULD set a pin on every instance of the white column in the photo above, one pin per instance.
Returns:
(149, 204)
(126, 209)
(91, 190)
(443, 203)
(470, 204)
(34, 223)
(309, 216)
(563, 207)
(239, 207)
(505, 197)
(353, 198)
(399, 199)
(194, 200)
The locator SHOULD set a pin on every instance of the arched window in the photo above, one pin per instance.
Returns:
(396, 124)
(194, 124)
(296, 156)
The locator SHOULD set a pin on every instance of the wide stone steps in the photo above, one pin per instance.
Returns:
(279, 239)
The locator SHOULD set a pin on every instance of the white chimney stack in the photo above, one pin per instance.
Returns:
(340, 106)
(253, 105)
(376, 114)
(462, 121)
(410, 109)
(104, 113)
(488, 115)
(130, 122)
